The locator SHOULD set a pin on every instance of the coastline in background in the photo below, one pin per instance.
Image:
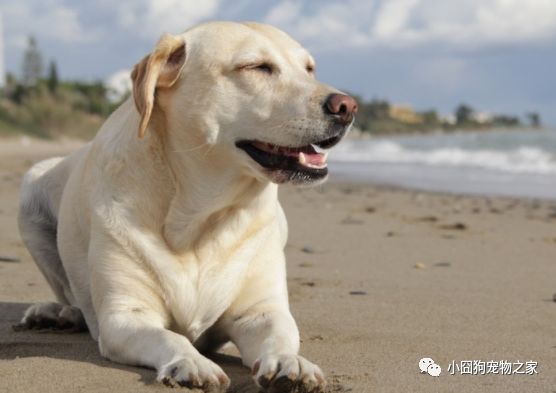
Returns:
(385, 118)
(517, 163)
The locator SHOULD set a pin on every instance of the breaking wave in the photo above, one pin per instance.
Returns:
(514, 159)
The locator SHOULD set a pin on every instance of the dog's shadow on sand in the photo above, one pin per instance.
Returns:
(81, 347)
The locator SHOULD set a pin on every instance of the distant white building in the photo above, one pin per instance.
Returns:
(483, 117)
(2, 69)
(450, 118)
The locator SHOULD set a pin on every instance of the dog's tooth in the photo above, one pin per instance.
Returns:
(301, 158)
(317, 148)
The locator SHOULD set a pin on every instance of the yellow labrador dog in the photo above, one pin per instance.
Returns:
(164, 235)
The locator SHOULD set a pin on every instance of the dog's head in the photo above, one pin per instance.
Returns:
(248, 94)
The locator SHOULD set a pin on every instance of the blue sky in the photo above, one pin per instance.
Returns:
(496, 55)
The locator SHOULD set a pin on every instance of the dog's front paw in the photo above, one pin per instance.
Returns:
(195, 372)
(53, 316)
(288, 374)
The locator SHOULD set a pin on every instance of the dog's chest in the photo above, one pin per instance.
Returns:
(205, 292)
(210, 278)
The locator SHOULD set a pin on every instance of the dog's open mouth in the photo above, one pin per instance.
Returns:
(308, 160)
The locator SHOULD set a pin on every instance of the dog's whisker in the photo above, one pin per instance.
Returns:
(191, 149)
(208, 151)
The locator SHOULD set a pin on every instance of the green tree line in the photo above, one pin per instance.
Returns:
(381, 117)
(41, 104)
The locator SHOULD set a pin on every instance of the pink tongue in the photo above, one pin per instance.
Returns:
(310, 156)
(317, 159)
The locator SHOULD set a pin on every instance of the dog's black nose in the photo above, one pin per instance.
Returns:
(341, 106)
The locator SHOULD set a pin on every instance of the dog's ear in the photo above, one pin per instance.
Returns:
(160, 69)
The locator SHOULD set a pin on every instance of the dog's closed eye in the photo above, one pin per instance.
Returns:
(266, 67)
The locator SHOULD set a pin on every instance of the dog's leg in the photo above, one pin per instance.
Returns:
(38, 225)
(268, 340)
(39, 234)
(38, 229)
(139, 337)
(133, 316)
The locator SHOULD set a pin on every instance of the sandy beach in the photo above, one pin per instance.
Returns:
(378, 278)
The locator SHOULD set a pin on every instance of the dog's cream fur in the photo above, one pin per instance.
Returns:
(167, 237)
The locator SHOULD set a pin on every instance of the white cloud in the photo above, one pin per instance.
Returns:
(150, 18)
(284, 12)
(46, 20)
(333, 24)
(517, 19)
(393, 16)
(473, 22)
(395, 23)
(119, 85)
(62, 21)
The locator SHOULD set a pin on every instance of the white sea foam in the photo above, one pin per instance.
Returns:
(512, 163)
(521, 159)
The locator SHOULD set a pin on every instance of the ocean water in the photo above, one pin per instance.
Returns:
(518, 163)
